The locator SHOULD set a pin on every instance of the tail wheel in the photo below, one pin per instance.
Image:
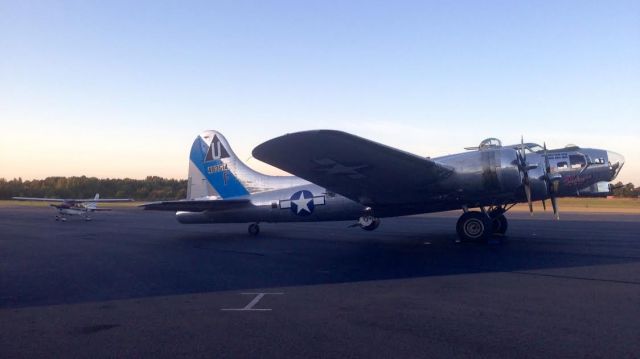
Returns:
(369, 223)
(474, 226)
(499, 225)
(373, 225)
(254, 229)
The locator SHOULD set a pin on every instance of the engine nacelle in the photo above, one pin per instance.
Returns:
(506, 169)
(491, 171)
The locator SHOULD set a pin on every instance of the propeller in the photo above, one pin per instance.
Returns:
(552, 184)
(524, 168)
(552, 181)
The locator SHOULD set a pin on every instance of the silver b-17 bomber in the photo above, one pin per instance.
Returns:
(340, 176)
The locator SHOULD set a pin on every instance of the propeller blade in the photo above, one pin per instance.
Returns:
(524, 168)
(583, 169)
(552, 186)
(544, 205)
(547, 166)
(527, 191)
(554, 204)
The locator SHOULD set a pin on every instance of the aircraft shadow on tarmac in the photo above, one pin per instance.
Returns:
(185, 259)
(287, 260)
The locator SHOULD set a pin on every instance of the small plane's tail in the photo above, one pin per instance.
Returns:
(215, 170)
(93, 205)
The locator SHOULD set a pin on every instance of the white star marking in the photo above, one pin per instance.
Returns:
(302, 203)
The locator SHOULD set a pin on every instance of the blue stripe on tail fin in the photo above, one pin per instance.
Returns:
(212, 162)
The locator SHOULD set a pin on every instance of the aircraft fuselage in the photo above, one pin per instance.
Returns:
(379, 181)
(481, 178)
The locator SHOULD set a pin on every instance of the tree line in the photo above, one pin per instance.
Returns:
(152, 188)
(626, 190)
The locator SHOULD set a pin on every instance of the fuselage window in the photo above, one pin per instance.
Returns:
(577, 161)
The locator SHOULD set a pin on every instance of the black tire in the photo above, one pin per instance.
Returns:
(500, 225)
(254, 229)
(474, 226)
(372, 226)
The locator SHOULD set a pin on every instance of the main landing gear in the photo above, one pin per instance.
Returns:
(368, 223)
(480, 226)
(254, 229)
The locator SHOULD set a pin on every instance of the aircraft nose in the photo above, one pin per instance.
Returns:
(616, 161)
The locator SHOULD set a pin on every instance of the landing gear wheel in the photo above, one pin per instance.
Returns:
(254, 229)
(499, 225)
(474, 226)
(372, 226)
(369, 223)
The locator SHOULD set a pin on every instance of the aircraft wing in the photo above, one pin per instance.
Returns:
(198, 205)
(39, 199)
(42, 199)
(362, 170)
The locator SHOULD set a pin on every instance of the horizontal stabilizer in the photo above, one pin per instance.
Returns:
(197, 205)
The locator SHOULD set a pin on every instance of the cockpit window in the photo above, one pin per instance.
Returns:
(577, 161)
(535, 148)
(529, 148)
(563, 165)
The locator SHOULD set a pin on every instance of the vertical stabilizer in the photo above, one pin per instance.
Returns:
(215, 170)
(92, 205)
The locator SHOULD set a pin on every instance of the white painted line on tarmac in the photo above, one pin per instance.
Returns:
(252, 303)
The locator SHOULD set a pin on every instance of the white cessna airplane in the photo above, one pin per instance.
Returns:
(339, 176)
(78, 207)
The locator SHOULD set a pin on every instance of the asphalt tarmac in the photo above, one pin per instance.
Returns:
(135, 283)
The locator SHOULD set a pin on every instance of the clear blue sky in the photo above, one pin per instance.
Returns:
(116, 89)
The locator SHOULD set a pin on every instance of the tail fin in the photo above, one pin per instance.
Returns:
(215, 170)
(92, 205)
